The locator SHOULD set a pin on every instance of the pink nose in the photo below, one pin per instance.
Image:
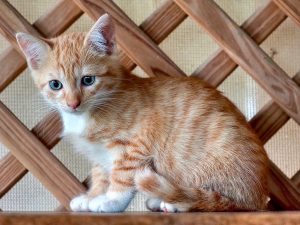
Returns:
(74, 104)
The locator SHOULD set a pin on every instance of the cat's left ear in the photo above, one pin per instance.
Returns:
(101, 37)
(34, 49)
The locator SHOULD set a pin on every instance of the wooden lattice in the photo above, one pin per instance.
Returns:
(30, 150)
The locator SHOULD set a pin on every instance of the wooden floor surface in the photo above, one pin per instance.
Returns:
(266, 218)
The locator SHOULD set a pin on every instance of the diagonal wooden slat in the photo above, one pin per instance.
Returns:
(35, 156)
(271, 117)
(266, 123)
(48, 132)
(163, 21)
(296, 179)
(290, 8)
(168, 16)
(258, 26)
(158, 26)
(137, 45)
(243, 50)
(283, 193)
(12, 21)
(12, 63)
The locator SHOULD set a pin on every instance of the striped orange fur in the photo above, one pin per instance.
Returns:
(178, 140)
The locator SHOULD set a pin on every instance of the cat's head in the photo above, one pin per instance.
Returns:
(76, 71)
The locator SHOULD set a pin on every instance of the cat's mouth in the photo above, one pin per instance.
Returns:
(73, 111)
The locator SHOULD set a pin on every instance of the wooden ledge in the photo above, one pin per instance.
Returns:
(266, 218)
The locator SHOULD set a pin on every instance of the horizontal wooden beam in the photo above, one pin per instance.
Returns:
(35, 156)
(266, 218)
(290, 8)
(12, 63)
(135, 43)
(244, 51)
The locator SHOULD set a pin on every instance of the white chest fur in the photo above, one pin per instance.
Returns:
(75, 126)
(74, 123)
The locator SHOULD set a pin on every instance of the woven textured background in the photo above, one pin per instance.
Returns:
(188, 46)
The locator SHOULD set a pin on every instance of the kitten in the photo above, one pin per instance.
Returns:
(178, 140)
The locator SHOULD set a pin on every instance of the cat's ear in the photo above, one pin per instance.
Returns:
(34, 49)
(101, 37)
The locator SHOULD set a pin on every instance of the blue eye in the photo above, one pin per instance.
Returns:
(88, 80)
(55, 85)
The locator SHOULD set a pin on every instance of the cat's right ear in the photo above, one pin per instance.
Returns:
(34, 49)
(101, 37)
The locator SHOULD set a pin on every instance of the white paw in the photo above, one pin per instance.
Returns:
(80, 203)
(168, 208)
(95, 204)
(153, 204)
(103, 204)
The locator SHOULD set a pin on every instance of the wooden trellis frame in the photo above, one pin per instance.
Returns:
(30, 150)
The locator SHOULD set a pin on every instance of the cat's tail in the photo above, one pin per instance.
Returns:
(189, 199)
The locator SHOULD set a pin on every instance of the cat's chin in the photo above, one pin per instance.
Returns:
(75, 112)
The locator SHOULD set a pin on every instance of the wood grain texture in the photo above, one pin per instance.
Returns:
(65, 12)
(158, 26)
(136, 44)
(35, 156)
(11, 22)
(266, 218)
(11, 171)
(12, 63)
(258, 26)
(284, 192)
(296, 179)
(290, 8)
(48, 131)
(271, 117)
(244, 51)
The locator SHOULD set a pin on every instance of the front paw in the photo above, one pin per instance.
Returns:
(103, 204)
(80, 203)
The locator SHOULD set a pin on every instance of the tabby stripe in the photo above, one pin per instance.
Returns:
(124, 183)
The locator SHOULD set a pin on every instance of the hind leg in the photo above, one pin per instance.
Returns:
(157, 205)
(159, 191)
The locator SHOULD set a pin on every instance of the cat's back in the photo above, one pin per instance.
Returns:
(190, 95)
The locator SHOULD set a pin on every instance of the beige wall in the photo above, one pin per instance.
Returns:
(188, 46)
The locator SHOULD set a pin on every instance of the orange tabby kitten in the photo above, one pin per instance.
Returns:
(178, 140)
